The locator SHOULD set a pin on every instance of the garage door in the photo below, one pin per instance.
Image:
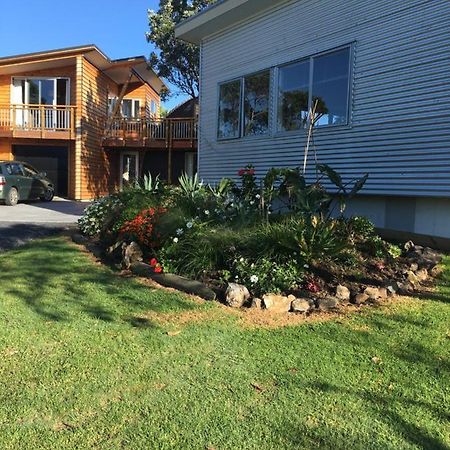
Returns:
(52, 160)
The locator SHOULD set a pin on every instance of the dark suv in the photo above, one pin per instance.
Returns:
(20, 181)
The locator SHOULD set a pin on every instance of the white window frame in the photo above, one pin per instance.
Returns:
(27, 91)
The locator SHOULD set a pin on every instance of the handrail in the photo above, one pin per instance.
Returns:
(42, 118)
(153, 129)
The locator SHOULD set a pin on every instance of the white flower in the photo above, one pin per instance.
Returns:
(258, 196)
(236, 277)
(175, 239)
(206, 212)
(306, 266)
(179, 231)
(252, 202)
(189, 224)
(241, 260)
(254, 279)
(252, 265)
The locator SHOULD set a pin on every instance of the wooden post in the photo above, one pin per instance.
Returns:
(42, 115)
(169, 155)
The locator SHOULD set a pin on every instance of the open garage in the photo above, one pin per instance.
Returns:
(49, 159)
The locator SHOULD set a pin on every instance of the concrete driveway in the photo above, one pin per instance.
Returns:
(28, 221)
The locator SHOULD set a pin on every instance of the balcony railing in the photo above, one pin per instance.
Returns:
(145, 131)
(44, 121)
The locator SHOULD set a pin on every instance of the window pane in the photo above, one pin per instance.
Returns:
(330, 87)
(33, 92)
(256, 104)
(137, 109)
(61, 92)
(293, 96)
(47, 92)
(127, 108)
(229, 106)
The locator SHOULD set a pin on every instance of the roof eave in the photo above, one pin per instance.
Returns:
(219, 16)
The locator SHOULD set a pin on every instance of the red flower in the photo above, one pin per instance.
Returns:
(158, 269)
(312, 286)
(241, 172)
(250, 171)
(153, 262)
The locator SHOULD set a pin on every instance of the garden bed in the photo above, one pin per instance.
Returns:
(274, 243)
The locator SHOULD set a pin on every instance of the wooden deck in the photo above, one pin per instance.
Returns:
(152, 133)
(37, 121)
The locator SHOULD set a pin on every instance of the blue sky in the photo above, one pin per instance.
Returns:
(117, 27)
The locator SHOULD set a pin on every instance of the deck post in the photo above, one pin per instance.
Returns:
(169, 155)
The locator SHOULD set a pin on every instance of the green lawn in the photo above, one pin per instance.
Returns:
(88, 359)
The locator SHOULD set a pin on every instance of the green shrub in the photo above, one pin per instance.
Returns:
(264, 275)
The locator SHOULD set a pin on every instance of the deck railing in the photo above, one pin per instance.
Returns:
(37, 118)
(152, 130)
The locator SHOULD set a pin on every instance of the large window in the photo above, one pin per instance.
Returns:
(130, 108)
(320, 80)
(40, 91)
(244, 106)
(329, 88)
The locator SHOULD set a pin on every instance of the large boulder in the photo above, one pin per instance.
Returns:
(277, 303)
(236, 295)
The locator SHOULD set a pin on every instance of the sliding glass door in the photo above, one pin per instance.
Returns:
(27, 92)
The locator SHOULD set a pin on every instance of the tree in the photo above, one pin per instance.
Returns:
(175, 60)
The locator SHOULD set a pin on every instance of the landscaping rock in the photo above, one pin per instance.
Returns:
(411, 277)
(256, 303)
(414, 267)
(359, 299)
(327, 303)
(343, 293)
(300, 305)
(373, 293)
(382, 293)
(131, 254)
(436, 271)
(422, 275)
(405, 288)
(392, 287)
(277, 303)
(236, 295)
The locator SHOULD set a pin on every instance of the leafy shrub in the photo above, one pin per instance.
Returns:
(97, 214)
(142, 228)
(265, 275)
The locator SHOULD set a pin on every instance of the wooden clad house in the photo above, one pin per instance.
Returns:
(86, 120)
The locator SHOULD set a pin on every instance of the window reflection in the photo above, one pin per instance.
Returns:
(256, 104)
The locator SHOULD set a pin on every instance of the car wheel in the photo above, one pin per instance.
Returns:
(48, 195)
(12, 198)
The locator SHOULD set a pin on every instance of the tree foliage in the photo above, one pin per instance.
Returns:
(175, 60)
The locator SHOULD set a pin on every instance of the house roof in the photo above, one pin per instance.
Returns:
(118, 69)
(188, 108)
(218, 16)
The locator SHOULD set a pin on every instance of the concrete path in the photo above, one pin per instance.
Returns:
(28, 221)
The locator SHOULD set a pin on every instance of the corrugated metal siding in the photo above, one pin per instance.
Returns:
(400, 126)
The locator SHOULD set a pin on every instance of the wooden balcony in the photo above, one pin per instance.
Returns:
(152, 133)
(37, 121)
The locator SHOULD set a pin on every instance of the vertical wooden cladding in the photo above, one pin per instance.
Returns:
(5, 149)
(94, 176)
